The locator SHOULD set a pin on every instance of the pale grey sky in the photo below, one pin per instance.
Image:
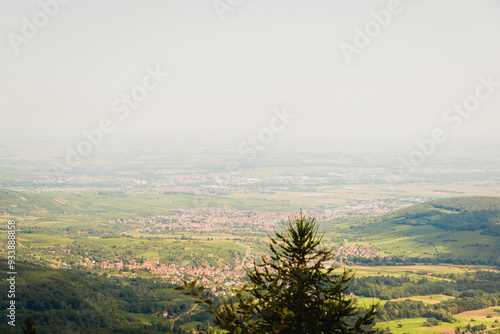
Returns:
(226, 76)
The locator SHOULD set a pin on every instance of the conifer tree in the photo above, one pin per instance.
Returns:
(294, 292)
(28, 326)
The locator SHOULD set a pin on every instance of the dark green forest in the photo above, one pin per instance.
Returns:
(62, 300)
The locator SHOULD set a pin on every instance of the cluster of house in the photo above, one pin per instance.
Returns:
(209, 219)
(219, 281)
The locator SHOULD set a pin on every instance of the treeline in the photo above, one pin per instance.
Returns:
(443, 311)
(408, 309)
(408, 261)
(390, 287)
(471, 291)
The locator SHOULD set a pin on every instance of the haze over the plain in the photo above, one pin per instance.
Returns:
(226, 76)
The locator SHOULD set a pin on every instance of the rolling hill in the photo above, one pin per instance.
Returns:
(458, 229)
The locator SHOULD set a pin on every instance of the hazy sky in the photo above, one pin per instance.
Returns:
(227, 76)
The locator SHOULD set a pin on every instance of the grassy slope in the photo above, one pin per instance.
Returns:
(405, 233)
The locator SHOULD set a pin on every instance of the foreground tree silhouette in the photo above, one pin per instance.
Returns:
(292, 293)
(28, 326)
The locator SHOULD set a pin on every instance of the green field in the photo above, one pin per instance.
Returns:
(415, 326)
(429, 299)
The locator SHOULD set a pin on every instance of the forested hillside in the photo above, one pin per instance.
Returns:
(454, 214)
(76, 301)
(461, 230)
